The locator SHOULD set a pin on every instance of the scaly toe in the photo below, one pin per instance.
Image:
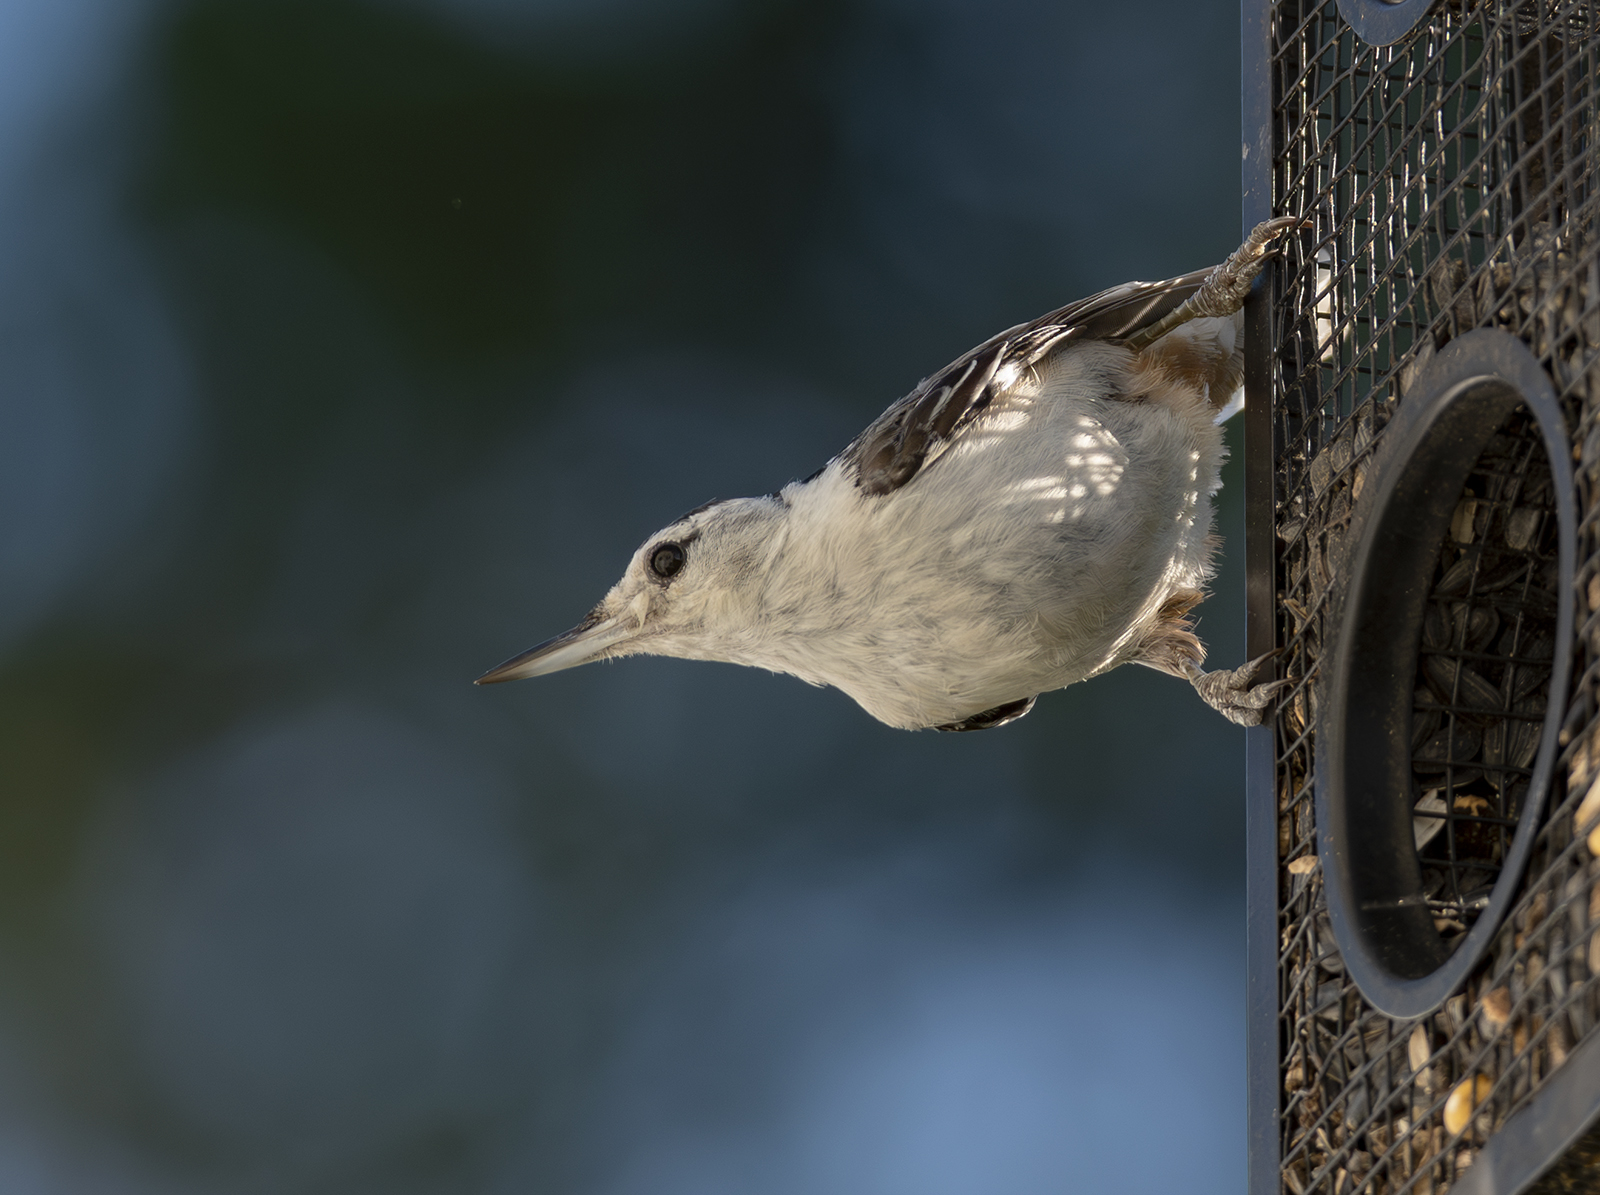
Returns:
(1245, 673)
(1261, 696)
(1232, 695)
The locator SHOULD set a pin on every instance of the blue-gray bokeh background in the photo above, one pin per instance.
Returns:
(348, 347)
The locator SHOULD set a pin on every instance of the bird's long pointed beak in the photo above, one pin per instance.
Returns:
(589, 640)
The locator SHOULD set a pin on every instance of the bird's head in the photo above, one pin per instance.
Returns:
(691, 590)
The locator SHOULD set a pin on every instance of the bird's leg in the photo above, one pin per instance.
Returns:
(1231, 693)
(1226, 287)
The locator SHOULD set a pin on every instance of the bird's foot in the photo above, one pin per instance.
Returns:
(1232, 693)
(1226, 287)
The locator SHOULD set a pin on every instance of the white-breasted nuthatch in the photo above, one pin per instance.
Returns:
(1034, 514)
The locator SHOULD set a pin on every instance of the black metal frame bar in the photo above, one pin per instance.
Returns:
(1261, 818)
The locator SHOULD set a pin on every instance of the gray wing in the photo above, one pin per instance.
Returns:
(890, 452)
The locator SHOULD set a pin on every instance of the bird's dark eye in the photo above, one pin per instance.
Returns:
(667, 560)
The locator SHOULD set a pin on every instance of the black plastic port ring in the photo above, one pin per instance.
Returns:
(1383, 22)
(1364, 796)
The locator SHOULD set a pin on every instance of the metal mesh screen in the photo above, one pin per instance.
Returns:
(1453, 180)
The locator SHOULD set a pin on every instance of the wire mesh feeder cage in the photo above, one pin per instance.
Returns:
(1423, 509)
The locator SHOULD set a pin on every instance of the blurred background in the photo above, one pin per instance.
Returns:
(348, 347)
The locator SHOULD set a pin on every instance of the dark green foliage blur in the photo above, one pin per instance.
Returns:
(491, 206)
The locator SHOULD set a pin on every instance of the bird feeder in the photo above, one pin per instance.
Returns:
(1423, 542)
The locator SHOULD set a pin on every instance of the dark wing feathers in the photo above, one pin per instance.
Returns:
(890, 452)
(989, 719)
(926, 416)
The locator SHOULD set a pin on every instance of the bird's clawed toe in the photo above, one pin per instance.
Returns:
(1233, 694)
(1229, 284)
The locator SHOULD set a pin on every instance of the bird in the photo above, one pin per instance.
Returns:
(1035, 514)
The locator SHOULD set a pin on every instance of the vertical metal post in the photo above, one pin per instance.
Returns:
(1261, 813)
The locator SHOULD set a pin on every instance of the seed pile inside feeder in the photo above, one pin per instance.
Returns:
(1483, 674)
